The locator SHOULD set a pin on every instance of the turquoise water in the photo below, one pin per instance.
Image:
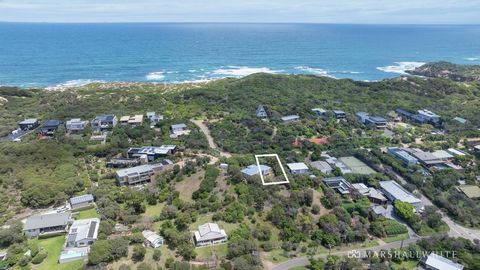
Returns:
(57, 54)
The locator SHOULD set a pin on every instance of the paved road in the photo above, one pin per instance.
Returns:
(456, 230)
(200, 124)
(302, 261)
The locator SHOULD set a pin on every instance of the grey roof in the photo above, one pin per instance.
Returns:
(290, 117)
(81, 199)
(176, 126)
(253, 170)
(209, 231)
(377, 119)
(321, 165)
(460, 120)
(48, 220)
(298, 166)
(105, 117)
(52, 123)
(339, 183)
(83, 229)
(338, 112)
(438, 262)
(137, 170)
(29, 121)
(398, 192)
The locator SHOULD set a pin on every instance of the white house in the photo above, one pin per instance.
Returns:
(83, 232)
(152, 239)
(298, 168)
(209, 234)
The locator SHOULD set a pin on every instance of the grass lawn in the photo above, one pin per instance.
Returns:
(166, 253)
(205, 253)
(54, 246)
(298, 268)
(89, 213)
(405, 265)
(153, 210)
(395, 238)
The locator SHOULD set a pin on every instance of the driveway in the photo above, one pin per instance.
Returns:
(211, 143)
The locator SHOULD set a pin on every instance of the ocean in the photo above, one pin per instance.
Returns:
(53, 55)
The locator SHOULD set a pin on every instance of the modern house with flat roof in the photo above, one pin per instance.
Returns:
(403, 156)
(137, 175)
(104, 122)
(134, 121)
(320, 112)
(339, 184)
(298, 168)
(460, 120)
(425, 158)
(154, 118)
(261, 112)
(368, 120)
(81, 201)
(437, 262)
(124, 162)
(456, 152)
(443, 155)
(49, 127)
(339, 114)
(29, 124)
(83, 232)
(373, 195)
(179, 130)
(209, 234)
(322, 166)
(393, 191)
(430, 116)
(75, 125)
(151, 152)
(47, 224)
(291, 119)
(152, 239)
(252, 170)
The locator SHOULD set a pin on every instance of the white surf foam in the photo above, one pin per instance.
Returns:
(155, 76)
(401, 67)
(311, 70)
(236, 71)
(73, 83)
(472, 58)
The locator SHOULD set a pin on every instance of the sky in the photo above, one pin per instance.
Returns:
(272, 11)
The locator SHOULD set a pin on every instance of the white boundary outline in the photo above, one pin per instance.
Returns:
(281, 167)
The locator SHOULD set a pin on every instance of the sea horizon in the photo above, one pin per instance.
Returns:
(36, 54)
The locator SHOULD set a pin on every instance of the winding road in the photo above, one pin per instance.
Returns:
(211, 143)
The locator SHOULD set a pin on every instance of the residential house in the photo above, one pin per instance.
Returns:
(75, 125)
(290, 119)
(261, 112)
(124, 162)
(154, 118)
(339, 114)
(81, 201)
(437, 262)
(298, 168)
(29, 124)
(134, 121)
(101, 138)
(152, 239)
(460, 120)
(403, 156)
(320, 112)
(374, 195)
(209, 234)
(104, 122)
(47, 224)
(151, 152)
(476, 148)
(83, 232)
(253, 170)
(333, 161)
(322, 166)
(425, 158)
(339, 184)
(179, 130)
(49, 127)
(368, 120)
(393, 191)
(137, 175)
